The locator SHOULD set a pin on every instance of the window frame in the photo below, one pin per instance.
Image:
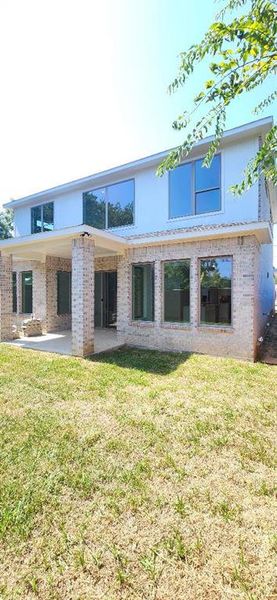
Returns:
(142, 264)
(23, 312)
(175, 323)
(14, 297)
(194, 192)
(104, 187)
(70, 293)
(228, 326)
(41, 217)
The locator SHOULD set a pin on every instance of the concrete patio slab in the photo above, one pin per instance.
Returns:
(60, 342)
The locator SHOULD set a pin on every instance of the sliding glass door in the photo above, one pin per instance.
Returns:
(105, 299)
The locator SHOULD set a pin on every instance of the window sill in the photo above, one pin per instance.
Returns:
(215, 328)
(185, 217)
(181, 326)
(142, 323)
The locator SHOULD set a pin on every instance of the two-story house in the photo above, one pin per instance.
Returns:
(172, 263)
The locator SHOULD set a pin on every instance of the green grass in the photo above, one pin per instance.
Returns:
(136, 475)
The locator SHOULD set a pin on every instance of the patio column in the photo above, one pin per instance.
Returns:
(6, 297)
(83, 249)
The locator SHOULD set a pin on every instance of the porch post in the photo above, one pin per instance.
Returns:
(83, 249)
(5, 297)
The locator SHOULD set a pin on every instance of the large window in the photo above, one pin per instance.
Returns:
(194, 189)
(27, 292)
(42, 218)
(14, 289)
(177, 291)
(216, 290)
(143, 292)
(63, 292)
(111, 206)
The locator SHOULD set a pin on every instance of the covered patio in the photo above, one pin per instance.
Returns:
(77, 252)
(61, 342)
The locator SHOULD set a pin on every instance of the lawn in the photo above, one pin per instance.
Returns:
(136, 475)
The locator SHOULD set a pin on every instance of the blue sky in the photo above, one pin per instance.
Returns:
(85, 85)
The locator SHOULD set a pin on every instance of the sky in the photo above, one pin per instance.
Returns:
(84, 85)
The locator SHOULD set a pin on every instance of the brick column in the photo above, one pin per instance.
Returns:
(123, 294)
(5, 297)
(83, 296)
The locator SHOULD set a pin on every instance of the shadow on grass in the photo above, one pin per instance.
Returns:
(150, 361)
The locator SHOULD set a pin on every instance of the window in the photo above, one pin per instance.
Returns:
(42, 218)
(177, 291)
(63, 292)
(27, 292)
(194, 189)
(111, 206)
(143, 292)
(216, 290)
(14, 286)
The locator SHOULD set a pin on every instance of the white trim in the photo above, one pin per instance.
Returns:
(260, 229)
(102, 177)
(117, 243)
(198, 216)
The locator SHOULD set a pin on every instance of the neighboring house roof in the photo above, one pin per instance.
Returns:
(258, 127)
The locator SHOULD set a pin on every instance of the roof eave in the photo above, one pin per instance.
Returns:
(259, 126)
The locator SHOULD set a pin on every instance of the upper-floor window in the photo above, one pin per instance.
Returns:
(110, 206)
(194, 189)
(42, 218)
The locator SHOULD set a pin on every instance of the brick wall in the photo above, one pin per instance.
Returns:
(238, 340)
(39, 290)
(5, 297)
(55, 322)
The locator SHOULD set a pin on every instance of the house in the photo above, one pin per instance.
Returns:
(173, 263)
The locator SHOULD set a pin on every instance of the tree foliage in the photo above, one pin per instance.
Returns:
(243, 54)
(6, 224)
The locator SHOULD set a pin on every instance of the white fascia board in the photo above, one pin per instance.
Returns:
(260, 230)
(259, 126)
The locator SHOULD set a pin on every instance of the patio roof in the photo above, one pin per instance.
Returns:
(59, 242)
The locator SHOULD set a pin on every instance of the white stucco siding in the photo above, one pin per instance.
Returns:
(265, 212)
(152, 199)
(266, 287)
(22, 221)
(68, 210)
(152, 195)
(266, 283)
